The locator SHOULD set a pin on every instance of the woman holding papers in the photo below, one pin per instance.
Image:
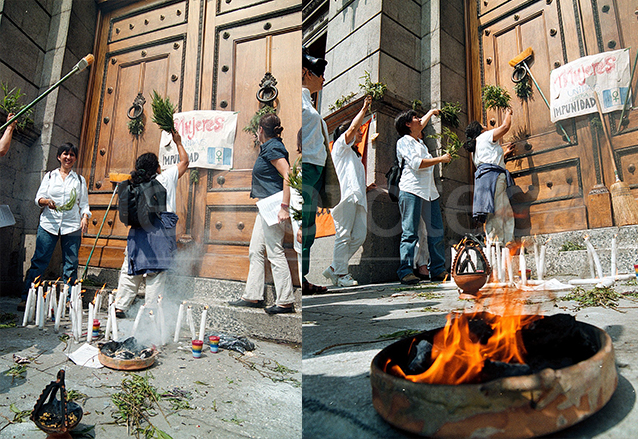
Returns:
(270, 186)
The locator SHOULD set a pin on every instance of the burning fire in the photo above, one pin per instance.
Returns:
(458, 356)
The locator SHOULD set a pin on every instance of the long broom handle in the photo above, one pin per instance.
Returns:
(529, 72)
(81, 65)
(98, 233)
(607, 135)
(631, 79)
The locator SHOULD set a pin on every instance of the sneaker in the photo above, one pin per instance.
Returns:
(246, 303)
(329, 273)
(410, 279)
(441, 277)
(346, 281)
(276, 309)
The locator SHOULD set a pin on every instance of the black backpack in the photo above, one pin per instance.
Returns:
(394, 177)
(140, 204)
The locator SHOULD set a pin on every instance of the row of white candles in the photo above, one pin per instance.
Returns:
(190, 322)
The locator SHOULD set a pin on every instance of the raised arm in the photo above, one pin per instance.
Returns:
(426, 118)
(358, 120)
(182, 166)
(504, 127)
(5, 141)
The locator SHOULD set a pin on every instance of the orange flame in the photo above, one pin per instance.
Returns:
(458, 356)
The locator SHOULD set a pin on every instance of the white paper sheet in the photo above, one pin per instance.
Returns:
(270, 207)
(6, 217)
(86, 355)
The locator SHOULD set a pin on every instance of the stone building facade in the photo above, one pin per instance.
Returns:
(41, 41)
(417, 48)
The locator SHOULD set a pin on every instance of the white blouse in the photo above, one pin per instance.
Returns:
(59, 190)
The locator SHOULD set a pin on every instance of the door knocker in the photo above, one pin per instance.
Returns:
(135, 114)
(267, 91)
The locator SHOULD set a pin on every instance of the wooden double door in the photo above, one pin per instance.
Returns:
(202, 54)
(560, 180)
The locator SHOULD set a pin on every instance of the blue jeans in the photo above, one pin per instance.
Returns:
(412, 208)
(44, 245)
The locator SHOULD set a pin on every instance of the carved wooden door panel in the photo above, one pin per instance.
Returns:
(561, 176)
(141, 48)
(251, 39)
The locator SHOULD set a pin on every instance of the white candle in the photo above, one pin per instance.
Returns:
(497, 262)
(63, 297)
(39, 305)
(27, 307)
(98, 303)
(522, 265)
(178, 326)
(599, 268)
(54, 301)
(78, 316)
(151, 316)
(108, 324)
(89, 325)
(160, 320)
(536, 259)
(114, 321)
(507, 262)
(47, 304)
(202, 324)
(58, 313)
(190, 322)
(613, 256)
(137, 320)
(111, 298)
(541, 258)
(32, 314)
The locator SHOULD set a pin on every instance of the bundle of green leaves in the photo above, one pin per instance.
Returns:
(69, 204)
(11, 104)
(294, 181)
(450, 114)
(163, 111)
(450, 142)
(495, 97)
(374, 89)
(523, 89)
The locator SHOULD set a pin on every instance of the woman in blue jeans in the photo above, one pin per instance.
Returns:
(418, 197)
(63, 197)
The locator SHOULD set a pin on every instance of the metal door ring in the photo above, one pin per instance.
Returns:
(137, 111)
(519, 74)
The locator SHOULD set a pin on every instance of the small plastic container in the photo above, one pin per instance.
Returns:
(214, 343)
(197, 348)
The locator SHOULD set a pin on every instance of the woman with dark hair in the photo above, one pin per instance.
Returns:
(270, 176)
(350, 215)
(149, 249)
(418, 197)
(63, 197)
(491, 180)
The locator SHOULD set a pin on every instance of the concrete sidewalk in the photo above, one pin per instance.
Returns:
(257, 395)
(337, 399)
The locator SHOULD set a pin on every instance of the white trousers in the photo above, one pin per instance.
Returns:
(501, 223)
(128, 286)
(268, 241)
(351, 227)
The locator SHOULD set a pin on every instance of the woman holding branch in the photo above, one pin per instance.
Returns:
(491, 179)
(270, 176)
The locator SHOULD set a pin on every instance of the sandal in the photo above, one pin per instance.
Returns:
(307, 289)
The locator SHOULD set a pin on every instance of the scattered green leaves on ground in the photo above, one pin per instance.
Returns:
(343, 100)
(450, 114)
(632, 281)
(495, 97)
(605, 297)
(163, 111)
(16, 371)
(427, 309)
(450, 142)
(20, 415)
(273, 370)
(178, 398)
(571, 246)
(11, 103)
(374, 89)
(8, 320)
(253, 125)
(135, 403)
(400, 334)
(429, 295)
(74, 395)
(234, 420)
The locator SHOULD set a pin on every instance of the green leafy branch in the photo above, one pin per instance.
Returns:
(11, 104)
(450, 142)
(163, 111)
(495, 97)
(343, 100)
(374, 89)
(295, 183)
(449, 114)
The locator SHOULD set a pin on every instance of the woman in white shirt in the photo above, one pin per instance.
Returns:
(63, 195)
(350, 215)
(418, 197)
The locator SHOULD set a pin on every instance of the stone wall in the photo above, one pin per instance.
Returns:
(41, 41)
(401, 43)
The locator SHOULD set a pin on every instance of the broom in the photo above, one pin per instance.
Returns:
(623, 202)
